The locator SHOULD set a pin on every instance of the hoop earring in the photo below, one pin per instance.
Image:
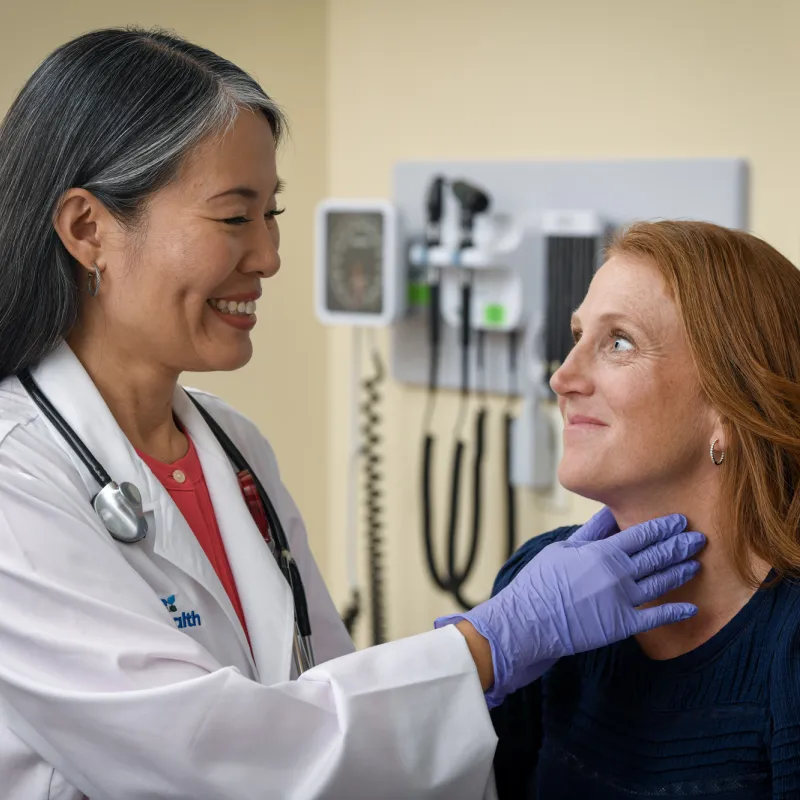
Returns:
(713, 457)
(94, 288)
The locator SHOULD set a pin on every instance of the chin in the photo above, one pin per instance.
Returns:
(227, 359)
(583, 480)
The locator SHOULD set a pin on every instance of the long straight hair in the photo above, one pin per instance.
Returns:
(739, 300)
(115, 112)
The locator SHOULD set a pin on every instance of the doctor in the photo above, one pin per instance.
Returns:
(138, 220)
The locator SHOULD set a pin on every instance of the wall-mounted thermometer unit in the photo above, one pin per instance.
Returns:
(358, 281)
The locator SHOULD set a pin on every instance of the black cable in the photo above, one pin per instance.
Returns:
(283, 554)
(74, 441)
(434, 334)
(434, 207)
(458, 577)
(508, 424)
(466, 330)
(478, 460)
(373, 490)
(427, 511)
(453, 578)
(428, 439)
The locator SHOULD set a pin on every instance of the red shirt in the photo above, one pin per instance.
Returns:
(186, 485)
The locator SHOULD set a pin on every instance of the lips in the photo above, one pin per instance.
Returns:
(574, 420)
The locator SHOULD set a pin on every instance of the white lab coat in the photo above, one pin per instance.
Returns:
(101, 692)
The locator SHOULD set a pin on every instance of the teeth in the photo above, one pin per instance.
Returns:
(232, 307)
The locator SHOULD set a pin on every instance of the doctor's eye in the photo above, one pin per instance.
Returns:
(576, 335)
(269, 216)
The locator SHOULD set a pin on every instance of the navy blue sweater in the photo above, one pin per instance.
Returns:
(721, 721)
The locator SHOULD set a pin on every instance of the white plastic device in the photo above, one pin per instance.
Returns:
(359, 280)
(502, 249)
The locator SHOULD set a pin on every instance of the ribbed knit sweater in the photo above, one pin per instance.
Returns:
(722, 721)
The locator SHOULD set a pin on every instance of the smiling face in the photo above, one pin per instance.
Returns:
(180, 290)
(636, 421)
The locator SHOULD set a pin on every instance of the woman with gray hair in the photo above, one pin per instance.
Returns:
(164, 630)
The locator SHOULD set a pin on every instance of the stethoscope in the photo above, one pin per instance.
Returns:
(119, 507)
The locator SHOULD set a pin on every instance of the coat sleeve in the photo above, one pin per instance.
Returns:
(96, 679)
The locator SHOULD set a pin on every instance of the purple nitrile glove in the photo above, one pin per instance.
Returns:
(582, 594)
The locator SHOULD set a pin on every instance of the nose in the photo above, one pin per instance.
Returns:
(574, 375)
(263, 257)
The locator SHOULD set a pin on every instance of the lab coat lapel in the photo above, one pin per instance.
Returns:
(172, 546)
(69, 388)
(263, 591)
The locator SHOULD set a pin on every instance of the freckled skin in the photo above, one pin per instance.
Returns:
(632, 370)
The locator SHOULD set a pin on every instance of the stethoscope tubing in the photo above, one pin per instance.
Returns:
(302, 649)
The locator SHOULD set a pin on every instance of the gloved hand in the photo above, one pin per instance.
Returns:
(582, 594)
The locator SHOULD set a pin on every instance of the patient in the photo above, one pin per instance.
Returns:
(681, 394)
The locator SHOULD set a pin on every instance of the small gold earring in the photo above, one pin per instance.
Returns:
(713, 457)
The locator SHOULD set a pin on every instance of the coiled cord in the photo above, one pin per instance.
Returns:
(351, 612)
(373, 491)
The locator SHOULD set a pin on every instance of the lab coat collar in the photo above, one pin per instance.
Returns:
(264, 594)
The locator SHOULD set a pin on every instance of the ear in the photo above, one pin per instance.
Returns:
(83, 224)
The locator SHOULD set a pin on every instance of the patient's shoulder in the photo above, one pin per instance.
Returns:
(528, 551)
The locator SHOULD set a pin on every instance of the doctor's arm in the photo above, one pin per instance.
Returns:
(96, 679)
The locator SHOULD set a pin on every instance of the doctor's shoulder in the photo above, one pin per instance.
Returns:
(527, 552)
(26, 447)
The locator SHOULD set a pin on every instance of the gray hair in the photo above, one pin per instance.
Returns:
(115, 112)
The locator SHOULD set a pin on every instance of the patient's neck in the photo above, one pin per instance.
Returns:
(717, 591)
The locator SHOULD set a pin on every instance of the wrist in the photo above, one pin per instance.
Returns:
(481, 652)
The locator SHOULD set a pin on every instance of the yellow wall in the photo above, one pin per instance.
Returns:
(284, 46)
(368, 82)
(522, 79)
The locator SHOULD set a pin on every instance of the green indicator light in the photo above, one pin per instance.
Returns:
(494, 314)
(419, 294)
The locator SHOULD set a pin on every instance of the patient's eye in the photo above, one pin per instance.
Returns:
(621, 342)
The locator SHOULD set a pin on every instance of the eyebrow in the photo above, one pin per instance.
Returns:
(247, 192)
(610, 316)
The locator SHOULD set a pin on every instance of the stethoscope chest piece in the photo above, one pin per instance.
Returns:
(120, 510)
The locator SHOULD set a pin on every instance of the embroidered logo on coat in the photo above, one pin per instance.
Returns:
(187, 619)
(169, 603)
